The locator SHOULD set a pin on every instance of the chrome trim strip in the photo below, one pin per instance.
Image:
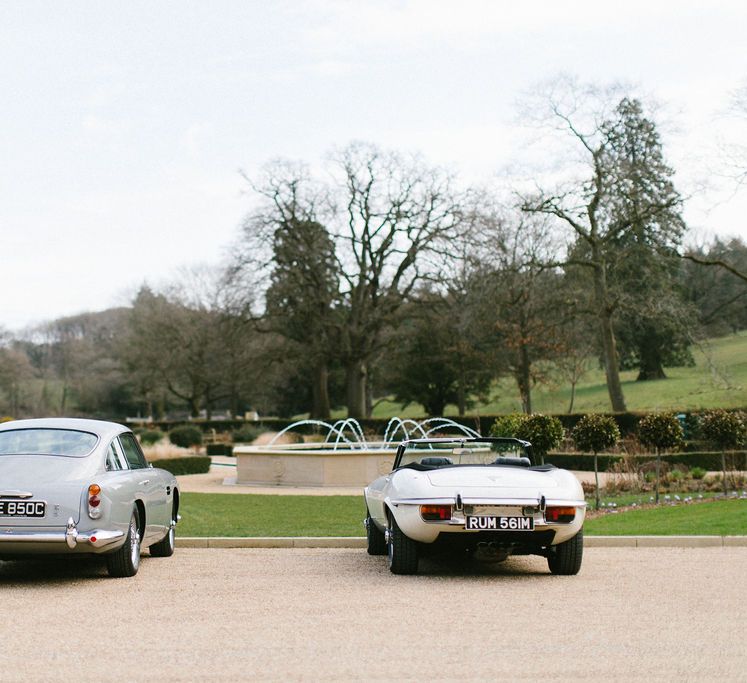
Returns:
(15, 493)
(70, 536)
(511, 502)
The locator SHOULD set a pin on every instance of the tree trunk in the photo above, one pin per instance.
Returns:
(194, 407)
(723, 472)
(320, 408)
(461, 399)
(573, 397)
(609, 345)
(658, 464)
(356, 389)
(234, 402)
(63, 399)
(596, 480)
(651, 366)
(523, 379)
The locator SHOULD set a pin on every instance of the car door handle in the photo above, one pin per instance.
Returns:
(144, 482)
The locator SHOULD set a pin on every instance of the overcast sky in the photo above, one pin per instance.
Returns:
(123, 125)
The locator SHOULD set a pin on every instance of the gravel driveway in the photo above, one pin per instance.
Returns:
(337, 614)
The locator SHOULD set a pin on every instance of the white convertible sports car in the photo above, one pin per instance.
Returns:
(474, 495)
(82, 487)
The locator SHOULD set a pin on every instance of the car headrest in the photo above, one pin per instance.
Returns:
(516, 462)
(436, 461)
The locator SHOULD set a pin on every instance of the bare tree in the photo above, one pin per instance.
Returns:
(735, 153)
(520, 293)
(188, 340)
(395, 214)
(608, 203)
(15, 373)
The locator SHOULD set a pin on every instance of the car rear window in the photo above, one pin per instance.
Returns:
(68, 442)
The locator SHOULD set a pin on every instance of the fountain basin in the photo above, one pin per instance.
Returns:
(338, 460)
(316, 465)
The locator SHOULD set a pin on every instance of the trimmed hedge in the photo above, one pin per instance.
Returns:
(198, 464)
(708, 460)
(582, 461)
(219, 449)
(627, 422)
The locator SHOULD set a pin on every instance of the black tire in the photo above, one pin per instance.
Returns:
(125, 561)
(165, 547)
(565, 558)
(375, 537)
(402, 551)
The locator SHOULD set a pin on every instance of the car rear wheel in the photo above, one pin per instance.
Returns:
(165, 547)
(402, 551)
(125, 561)
(375, 537)
(566, 559)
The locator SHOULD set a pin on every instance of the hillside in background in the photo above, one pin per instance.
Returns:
(718, 380)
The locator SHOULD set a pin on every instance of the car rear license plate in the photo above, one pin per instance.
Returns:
(22, 508)
(492, 523)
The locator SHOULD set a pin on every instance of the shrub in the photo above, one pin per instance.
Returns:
(697, 473)
(151, 436)
(509, 425)
(595, 433)
(186, 436)
(6, 418)
(198, 464)
(725, 430)
(245, 434)
(544, 432)
(676, 476)
(660, 430)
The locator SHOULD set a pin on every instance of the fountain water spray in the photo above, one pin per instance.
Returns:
(408, 427)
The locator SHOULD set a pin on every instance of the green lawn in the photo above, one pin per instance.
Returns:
(718, 380)
(216, 514)
(717, 518)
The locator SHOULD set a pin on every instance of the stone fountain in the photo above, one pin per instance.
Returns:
(343, 458)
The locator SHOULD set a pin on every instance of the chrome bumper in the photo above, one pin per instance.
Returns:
(98, 538)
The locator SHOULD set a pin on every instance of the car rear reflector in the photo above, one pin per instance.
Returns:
(433, 513)
(560, 515)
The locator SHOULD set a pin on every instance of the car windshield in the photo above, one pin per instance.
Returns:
(68, 442)
(447, 453)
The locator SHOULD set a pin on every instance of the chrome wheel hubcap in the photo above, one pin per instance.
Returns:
(134, 544)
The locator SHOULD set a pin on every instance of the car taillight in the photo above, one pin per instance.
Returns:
(94, 501)
(560, 515)
(432, 513)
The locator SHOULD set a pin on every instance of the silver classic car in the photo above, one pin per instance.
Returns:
(478, 496)
(82, 487)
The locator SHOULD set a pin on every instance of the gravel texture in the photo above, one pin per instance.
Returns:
(338, 614)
